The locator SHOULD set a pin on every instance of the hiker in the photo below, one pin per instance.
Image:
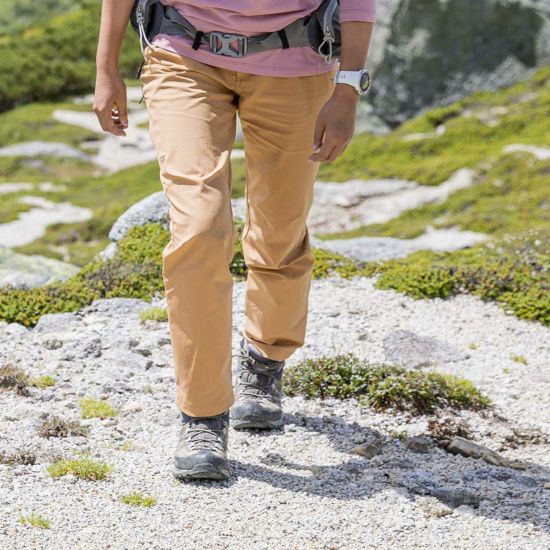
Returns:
(204, 62)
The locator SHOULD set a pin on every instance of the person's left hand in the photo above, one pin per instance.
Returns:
(335, 124)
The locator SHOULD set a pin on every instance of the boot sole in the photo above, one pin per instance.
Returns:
(201, 471)
(256, 424)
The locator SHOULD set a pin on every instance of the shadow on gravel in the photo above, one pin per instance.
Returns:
(493, 491)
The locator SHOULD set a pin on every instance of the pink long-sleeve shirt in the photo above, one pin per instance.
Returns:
(250, 17)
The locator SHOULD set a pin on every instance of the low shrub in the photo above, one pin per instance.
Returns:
(96, 408)
(381, 386)
(134, 272)
(58, 427)
(83, 468)
(158, 314)
(139, 500)
(14, 379)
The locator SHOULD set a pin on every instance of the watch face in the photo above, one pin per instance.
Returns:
(364, 83)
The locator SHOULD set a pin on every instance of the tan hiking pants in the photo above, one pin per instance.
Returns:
(192, 109)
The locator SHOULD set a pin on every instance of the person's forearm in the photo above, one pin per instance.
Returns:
(114, 20)
(355, 36)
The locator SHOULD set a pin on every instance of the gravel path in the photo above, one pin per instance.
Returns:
(300, 487)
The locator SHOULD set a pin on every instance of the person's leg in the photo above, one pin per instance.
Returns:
(278, 116)
(192, 125)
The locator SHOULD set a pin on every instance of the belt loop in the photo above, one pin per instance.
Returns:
(284, 39)
(197, 40)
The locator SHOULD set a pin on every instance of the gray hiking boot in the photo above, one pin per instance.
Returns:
(202, 448)
(258, 390)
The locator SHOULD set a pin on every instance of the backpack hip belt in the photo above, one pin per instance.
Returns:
(319, 30)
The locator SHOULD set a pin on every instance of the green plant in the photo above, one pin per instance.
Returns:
(519, 359)
(512, 272)
(83, 468)
(96, 408)
(158, 314)
(381, 386)
(35, 520)
(138, 499)
(42, 382)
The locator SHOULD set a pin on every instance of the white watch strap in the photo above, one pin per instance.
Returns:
(349, 77)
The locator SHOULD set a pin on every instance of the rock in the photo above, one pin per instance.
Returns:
(456, 496)
(57, 323)
(419, 444)
(408, 349)
(153, 208)
(434, 52)
(21, 270)
(369, 449)
(42, 148)
(433, 507)
(460, 446)
(546, 485)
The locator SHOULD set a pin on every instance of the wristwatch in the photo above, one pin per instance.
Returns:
(360, 80)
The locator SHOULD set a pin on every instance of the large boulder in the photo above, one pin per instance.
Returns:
(22, 271)
(432, 52)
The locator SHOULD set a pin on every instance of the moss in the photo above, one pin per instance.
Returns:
(510, 197)
(158, 314)
(381, 386)
(514, 273)
(96, 408)
(14, 379)
(35, 122)
(42, 382)
(519, 359)
(138, 499)
(35, 520)
(58, 427)
(467, 140)
(82, 468)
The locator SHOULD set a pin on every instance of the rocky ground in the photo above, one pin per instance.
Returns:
(299, 487)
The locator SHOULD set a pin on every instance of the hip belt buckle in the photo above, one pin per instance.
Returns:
(220, 43)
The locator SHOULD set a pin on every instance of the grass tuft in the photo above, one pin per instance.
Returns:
(138, 499)
(82, 468)
(158, 314)
(42, 382)
(14, 379)
(519, 359)
(35, 520)
(96, 408)
(57, 427)
(381, 386)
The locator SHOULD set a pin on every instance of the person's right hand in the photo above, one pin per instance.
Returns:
(110, 104)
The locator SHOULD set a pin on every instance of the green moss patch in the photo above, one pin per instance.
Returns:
(511, 197)
(138, 499)
(158, 314)
(514, 273)
(134, 272)
(96, 408)
(381, 386)
(82, 468)
(35, 520)
(468, 138)
(42, 382)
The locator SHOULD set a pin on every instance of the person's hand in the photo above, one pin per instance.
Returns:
(335, 124)
(110, 104)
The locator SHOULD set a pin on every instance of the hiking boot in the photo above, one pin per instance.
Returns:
(201, 452)
(258, 390)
